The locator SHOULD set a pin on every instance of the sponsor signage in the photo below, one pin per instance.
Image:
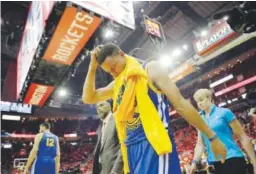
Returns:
(38, 13)
(16, 107)
(70, 135)
(11, 117)
(119, 11)
(91, 133)
(22, 135)
(236, 86)
(224, 79)
(217, 35)
(72, 33)
(37, 94)
(181, 72)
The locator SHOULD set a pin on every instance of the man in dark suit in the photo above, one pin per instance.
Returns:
(107, 159)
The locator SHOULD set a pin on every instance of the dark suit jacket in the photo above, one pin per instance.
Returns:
(111, 158)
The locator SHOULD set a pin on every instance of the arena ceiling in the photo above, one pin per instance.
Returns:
(181, 22)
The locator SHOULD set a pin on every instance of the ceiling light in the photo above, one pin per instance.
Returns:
(226, 18)
(204, 33)
(165, 60)
(244, 95)
(185, 47)
(62, 92)
(234, 99)
(176, 52)
(142, 10)
(108, 33)
(222, 104)
(229, 101)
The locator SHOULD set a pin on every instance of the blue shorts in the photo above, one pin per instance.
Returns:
(44, 165)
(143, 159)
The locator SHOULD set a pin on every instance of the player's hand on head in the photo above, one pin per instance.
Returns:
(94, 54)
(219, 149)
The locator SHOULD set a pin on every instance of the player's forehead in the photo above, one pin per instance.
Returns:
(109, 61)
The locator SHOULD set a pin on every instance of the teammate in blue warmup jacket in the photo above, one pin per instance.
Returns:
(45, 154)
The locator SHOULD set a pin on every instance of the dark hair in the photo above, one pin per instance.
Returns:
(109, 49)
(46, 125)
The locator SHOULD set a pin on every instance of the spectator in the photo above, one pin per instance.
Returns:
(224, 123)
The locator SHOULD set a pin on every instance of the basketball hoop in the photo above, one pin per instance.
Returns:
(159, 44)
(19, 163)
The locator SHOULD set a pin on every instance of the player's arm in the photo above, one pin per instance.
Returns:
(160, 77)
(90, 94)
(57, 159)
(34, 151)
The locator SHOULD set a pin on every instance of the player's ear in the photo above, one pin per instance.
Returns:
(99, 47)
(122, 53)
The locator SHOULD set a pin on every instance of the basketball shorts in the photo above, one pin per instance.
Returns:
(143, 159)
(43, 165)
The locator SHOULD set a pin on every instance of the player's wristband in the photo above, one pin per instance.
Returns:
(194, 161)
(213, 138)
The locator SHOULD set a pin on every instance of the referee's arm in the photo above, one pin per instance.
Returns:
(33, 152)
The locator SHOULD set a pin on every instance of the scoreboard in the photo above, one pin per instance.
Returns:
(154, 28)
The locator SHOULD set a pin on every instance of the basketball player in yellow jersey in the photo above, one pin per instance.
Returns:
(142, 152)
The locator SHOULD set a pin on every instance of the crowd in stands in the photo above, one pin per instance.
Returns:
(186, 136)
(73, 154)
(72, 157)
(79, 156)
(59, 126)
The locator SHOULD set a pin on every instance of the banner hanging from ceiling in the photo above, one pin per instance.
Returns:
(38, 94)
(217, 36)
(121, 12)
(38, 13)
(72, 33)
